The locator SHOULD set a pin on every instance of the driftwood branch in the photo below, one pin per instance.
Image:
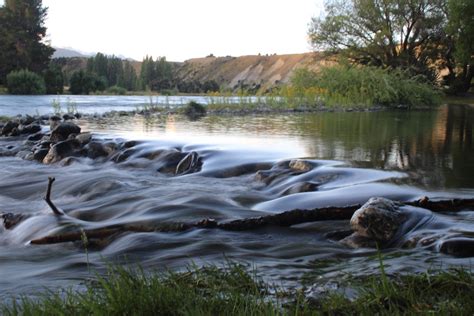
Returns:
(47, 198)
(285, 219)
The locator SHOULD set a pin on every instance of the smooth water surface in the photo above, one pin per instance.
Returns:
(11, 105)
(399, 155)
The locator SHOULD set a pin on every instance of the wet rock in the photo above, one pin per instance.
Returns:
(95, 150)
(29, 129)
(68, 117)
(300, 165)
(15, 132)
(54, 121)
(190, 163)
(8, 128)
(378, 219)
(35, 137)
(458, 247)
(10, 220)
(63, 130)
(39, 154)
(27, 120)
(169, 160)
(301, 187)
(84, 138)
(61, 150)
(124, 155)
(110, 148)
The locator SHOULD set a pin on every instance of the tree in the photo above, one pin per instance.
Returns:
(82, 82)
(386, 33)
(54, 79)
(459, 57)
(22, 34)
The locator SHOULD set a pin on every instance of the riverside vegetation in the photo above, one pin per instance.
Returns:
(233, 290)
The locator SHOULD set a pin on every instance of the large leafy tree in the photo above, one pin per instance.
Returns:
(459, 56)
(387, 33)
(22, 34)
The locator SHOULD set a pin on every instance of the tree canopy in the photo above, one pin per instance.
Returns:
(410, 34)
(22, 35)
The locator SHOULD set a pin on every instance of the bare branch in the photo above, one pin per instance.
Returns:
(47, 198)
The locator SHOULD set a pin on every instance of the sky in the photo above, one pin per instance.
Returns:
(181, 29)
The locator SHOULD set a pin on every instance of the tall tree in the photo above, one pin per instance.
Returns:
(387, 33)
(22, 34)
(459, 57)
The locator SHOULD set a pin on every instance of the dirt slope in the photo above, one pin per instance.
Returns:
(231, 72)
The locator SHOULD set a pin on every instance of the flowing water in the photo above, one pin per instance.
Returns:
(399, 155)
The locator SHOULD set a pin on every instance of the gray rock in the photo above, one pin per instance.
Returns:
(63, 130)
(8, 128)
(84, 138)
(300, 165)
(39, 154)
(35, 137)
(61, 150)
(96, 150)
(190, 163)
(378, 219)
(29, 129)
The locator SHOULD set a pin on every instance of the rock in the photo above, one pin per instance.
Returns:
(10, 220)
(61, 150)
(68, 117)
(8, 128)
(84, 138)
(39, 154)
(15, 132)
(27, 120)
(458, 247)
(54, 121)
(190, 163)
(29, 129)
(300, 165)
(96, 150)
(35, 137)
(63, 130)
(378, 219)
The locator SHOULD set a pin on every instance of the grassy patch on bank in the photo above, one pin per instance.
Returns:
(344, 85)
(233, 291)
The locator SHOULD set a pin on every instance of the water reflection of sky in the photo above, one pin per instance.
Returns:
(435, 147)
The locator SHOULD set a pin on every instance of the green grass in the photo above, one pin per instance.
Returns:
(344, 85)
(231, 290)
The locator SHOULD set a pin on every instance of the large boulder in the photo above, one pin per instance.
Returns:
(63, 130)
(61, 150)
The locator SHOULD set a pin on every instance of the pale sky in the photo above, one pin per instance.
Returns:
(181, 29)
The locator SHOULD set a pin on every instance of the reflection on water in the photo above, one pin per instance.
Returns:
(400, 155)
(435, 147)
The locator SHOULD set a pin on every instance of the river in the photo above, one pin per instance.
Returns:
(396, 154)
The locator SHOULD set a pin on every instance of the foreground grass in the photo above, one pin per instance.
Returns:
(233, 291)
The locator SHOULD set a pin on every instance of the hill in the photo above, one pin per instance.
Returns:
(247, 71)
(250, 72)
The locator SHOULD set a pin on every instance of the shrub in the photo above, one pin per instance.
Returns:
(364, 86)
(194, 110)
(82, 82)
(117, 90)
(54, 80)
(25, 82)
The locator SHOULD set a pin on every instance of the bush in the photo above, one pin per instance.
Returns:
(117, 90)
(82, 82)
(365, 86)
(54, 79)
(194, 110)
(25, 82)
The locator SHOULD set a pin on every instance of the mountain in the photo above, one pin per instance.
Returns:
(68, 53)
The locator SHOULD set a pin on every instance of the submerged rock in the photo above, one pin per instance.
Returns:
(300, 165)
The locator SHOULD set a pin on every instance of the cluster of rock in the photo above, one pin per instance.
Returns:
(64, 142)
